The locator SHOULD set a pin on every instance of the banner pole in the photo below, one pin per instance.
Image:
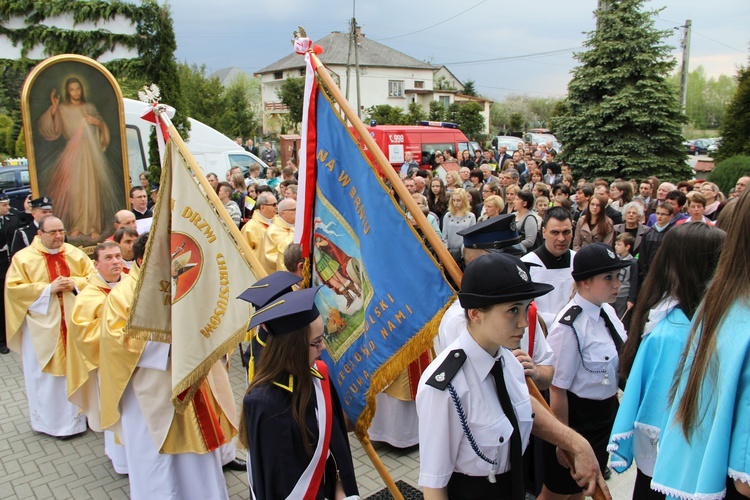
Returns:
(378, 464)
(437, 244)
(247, 252)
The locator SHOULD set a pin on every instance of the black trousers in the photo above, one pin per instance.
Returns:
(463, 487)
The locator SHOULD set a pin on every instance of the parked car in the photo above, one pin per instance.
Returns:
(698, 147)
(545, 138)
(509, 141)
(715, 145)
(14, 179)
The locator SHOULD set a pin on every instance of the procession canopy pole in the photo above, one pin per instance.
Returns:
(398, 186)
(248, 253)
(534, 392)
(378, 464)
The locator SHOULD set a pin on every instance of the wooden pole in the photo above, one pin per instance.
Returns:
(247, 252)
(378, 464)
(534, 392)
(398, 186)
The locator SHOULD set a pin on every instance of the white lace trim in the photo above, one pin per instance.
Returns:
(739, 476)
(613, 446)
(618, 463)
(681, 495)
(651, 430)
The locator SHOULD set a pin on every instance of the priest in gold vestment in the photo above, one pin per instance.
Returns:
(82, 360)
(40, 291)
(170, 455)
(277, 237)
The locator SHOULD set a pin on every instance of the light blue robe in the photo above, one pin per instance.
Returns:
(720, 444)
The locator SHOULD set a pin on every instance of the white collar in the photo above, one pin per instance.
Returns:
(589, 308)
(480, 359)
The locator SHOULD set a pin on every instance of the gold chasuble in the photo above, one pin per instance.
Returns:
(253, 231)
(277, 237)
(206, 422)
(83, 348)
(31, 271)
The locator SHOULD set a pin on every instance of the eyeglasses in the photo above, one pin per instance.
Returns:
(318, 343)
(56, 231)
(268, 204)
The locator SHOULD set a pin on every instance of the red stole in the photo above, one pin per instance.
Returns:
(205, 414)
(56, 267)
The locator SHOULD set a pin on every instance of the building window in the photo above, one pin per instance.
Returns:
(302, 72)
(445, 100)
(418, 84)
(395, 88)
(278, 75)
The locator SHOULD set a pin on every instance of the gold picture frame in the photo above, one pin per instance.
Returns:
(74, 126)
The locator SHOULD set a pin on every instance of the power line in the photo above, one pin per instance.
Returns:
(434, 25)
(701, 34)
(512, 58)
(519, 90)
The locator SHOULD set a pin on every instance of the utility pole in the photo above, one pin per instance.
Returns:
(356, 65)
(349, 54)
(685, 61)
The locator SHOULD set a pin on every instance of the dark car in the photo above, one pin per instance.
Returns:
(698, 147)
(15, 181)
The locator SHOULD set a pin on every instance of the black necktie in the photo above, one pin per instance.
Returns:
(516, 453)
(612, 331)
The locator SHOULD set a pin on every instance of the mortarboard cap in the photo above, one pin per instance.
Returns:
(44, 203)
(288, 313)
(269, 288)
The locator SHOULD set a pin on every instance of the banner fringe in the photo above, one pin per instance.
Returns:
(191, 383)
(388, 371)
(163, 336)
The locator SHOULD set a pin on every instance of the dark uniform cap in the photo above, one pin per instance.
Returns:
(4, 198)
(288, 313)
(497, 232)
(44, 203)
(269, 288)
(154, 186)
(497, 278)
(595, 259)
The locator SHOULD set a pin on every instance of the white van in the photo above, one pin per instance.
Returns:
(213, 151)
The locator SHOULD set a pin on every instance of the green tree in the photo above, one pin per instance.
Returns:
(735, 129)
(385, 114)
(292, 94)
(204, 98)
(623, 117)
(470, 88)
(437, 111)
(726, 172)
(470, 120)
(415, 114)
(706, 97)
(238, 117)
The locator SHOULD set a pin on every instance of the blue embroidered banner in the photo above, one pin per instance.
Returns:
(383, 293)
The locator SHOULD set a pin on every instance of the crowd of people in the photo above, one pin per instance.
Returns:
(582, 287)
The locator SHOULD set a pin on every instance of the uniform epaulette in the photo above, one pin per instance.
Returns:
(570, 315)
(447, 370)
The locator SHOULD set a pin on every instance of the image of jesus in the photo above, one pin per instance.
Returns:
(78, 180)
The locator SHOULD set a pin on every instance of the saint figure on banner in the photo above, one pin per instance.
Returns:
(78, 178)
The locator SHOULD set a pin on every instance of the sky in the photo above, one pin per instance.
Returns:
(472, 38)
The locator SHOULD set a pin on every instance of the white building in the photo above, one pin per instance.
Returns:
(386, 76)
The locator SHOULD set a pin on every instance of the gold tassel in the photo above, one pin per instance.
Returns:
(251, 366)
(388, 371)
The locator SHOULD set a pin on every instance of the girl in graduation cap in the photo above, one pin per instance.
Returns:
(475, 413)
(292, 422)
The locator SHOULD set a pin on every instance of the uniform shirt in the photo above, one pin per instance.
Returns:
(443, 446)
(454, 322)
(596, 348)
(555, 271)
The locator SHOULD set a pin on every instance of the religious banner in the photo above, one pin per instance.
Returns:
(191, 275)
(74, 127)
(383, 292)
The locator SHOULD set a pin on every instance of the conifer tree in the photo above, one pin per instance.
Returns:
(735, 128)
(622, 116)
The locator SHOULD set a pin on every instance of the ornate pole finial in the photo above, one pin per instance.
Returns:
(150, 95)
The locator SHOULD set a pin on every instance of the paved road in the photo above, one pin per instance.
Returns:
(37, 466)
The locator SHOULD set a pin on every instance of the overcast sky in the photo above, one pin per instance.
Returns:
(470, 37)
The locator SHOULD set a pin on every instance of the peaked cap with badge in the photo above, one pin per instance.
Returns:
(595, 259)
(496, 233)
